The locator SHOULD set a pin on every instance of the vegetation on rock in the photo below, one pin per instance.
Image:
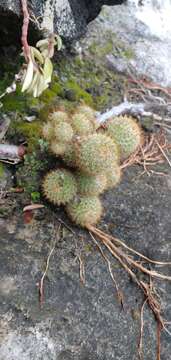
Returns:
(126, 133)
(92, 156)
(84, 210)
(96, 153)
(59, 186)
(91, 185)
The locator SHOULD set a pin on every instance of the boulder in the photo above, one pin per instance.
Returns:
(68, 18)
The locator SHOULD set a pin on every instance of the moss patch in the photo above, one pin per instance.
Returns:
(29, 174)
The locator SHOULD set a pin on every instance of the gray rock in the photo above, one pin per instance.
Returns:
(79, 322)
(66, 17)
(127, 45)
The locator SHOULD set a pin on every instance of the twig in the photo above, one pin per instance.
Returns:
(135, 109)
(119, 242)
(151, 297)
(124, 256)
(158, 341)
(128, 263)
(152, 152)
(41, 283)
(82, 268)
(124, 107)
(140, 345)
(66, 225)
(81, 262)
(79, 255)
(119, 293)
(163, 152)
(26, 47)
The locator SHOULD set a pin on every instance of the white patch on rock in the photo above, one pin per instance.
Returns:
(33, 344)
(48, 16)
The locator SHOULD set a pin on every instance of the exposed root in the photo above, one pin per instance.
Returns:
(140, 345)
(152, 152)
(81, 263)
(158, 341)
(147, 287)
(147, 88)
(119, 292)
(121, 243)
(41, 283)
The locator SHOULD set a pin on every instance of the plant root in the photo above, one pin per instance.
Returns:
(115, 247)
(153, 151)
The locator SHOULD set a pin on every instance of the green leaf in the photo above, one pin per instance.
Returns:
(48, 69)
(36, 54)
(28, 76)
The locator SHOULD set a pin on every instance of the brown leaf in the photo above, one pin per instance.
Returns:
(33, 207)
(28, 216)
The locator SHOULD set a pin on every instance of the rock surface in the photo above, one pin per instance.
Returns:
(66, 17)
(79, 322)
(128, 45)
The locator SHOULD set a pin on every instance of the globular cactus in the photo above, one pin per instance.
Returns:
(58, 116)
(93, 156)
(63, 132)
(91, 185)
(86, 110)
(69, 156)
(82, 125)
(59, 186)
(48, 131)
(113, 176)
(95, 153)
(84, 210)
(126, 133)
(58, 148)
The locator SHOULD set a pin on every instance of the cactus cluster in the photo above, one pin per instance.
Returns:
(90, 157)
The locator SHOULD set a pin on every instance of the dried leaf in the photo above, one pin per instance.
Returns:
(28, 217)
(33, 207)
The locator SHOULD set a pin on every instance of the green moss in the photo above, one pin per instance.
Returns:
(103, 49)
(47, 96)
(57, 88)
(85, 80)
(29, 174)
(14, 102)
(1, 170)
(35, 196)
(128, 53)
(77, 93)
(32, 132)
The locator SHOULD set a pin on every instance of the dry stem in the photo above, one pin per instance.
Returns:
(41, 283)
(152, 152)
(119, 293)
(151, 298)
(140, 345)
(25, 26)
